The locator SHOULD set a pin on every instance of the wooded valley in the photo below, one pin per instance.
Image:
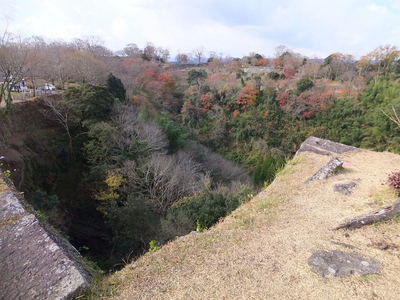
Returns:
(135, 148)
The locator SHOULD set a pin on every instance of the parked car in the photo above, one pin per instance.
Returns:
(19, 86)
(46, 87)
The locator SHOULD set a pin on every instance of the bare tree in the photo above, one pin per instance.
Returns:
(220, 168)
(126, 119)
(182, 58)
(311, 68)
(13, 58)
(36, 60)
(132, 50)
(165, 179)
(85, 67)
(198, 53)
(57, 65)
(149, 52)
(162, 54)
(61, 113)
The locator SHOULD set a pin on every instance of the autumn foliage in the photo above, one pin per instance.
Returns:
(205, 102)
(262, 62)
(283, 99)
(289, 72)
(394, 180)
(247, 96)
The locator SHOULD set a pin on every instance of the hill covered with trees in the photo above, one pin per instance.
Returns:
(141, 149)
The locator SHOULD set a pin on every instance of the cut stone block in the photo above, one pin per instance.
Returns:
(326, 170)
(34, 262)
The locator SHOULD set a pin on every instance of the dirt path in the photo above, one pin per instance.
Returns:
(261, 250)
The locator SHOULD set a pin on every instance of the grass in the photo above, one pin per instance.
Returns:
(260, 251)
(11, 220)
(288, 169)
(383, 195)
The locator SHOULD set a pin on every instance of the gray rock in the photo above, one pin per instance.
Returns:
(324, 147)
(35, 263)
(327, 170)
(346, 188)
(341, 264)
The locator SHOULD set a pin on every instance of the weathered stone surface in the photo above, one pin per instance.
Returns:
(327, 170)
(324, 147)
(383, 214)
(341, 264)
(34, 263)
(345, 188)
(9, 205)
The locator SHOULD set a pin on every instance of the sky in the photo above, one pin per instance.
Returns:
(236, 28)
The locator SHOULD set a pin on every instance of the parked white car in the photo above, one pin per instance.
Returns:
(46, 87)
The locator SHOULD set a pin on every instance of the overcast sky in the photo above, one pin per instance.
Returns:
(312, 27)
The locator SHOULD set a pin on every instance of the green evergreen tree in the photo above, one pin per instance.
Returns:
(116, 87)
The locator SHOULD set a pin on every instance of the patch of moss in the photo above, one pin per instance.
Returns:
(12, 219)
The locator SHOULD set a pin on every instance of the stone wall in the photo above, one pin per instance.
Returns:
(35, 263)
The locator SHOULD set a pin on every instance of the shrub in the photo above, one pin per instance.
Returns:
(264, 166)
(394, 181)
(40, 200)
(274, 75)
(133, 224)
(90, 102)
(208, 207)
(116, 87)
(304, 83)
(177, 137)
(153, 246)
(205, 209)
(196, 77)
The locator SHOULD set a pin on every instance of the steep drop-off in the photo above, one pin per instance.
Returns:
(267, 248)
(33, 151)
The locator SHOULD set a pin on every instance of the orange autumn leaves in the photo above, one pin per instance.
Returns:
(247, 96)
(205, 102)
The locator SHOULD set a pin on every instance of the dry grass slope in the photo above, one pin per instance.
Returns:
(261, 250)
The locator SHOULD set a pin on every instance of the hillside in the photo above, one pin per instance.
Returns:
(261, 250)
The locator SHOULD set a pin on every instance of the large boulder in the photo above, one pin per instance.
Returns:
(324, 147)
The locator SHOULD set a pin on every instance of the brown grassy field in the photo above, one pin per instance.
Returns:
(260, 251)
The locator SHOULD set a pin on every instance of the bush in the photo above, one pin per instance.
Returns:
(40, 200)
(134, 225)
(267, 168)
(116, 87)
(196, 76)
(98, 148)
(90, 102)
(205, 209)
(177, 137)
(274, 75)
(304, 83)
(394, 181)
